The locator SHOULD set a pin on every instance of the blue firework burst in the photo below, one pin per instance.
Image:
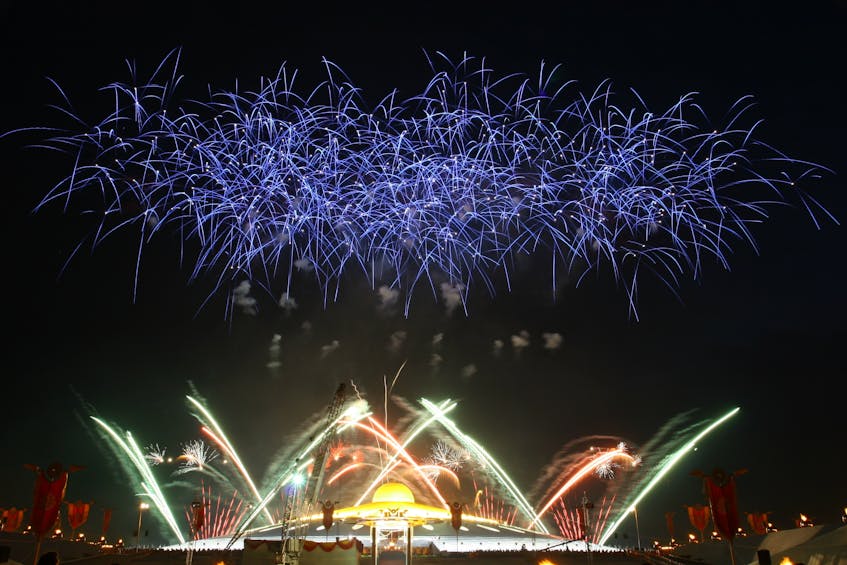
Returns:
(454, 184)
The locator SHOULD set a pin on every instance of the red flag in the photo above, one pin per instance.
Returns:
(198, 516)
(456, 515)
(720, 489)
(50, 487)
(78, 513)
(12, 519)
(328, 510)
(72, 514)
(699, 516)
(107, 518)
(669, 522)
(758, 522)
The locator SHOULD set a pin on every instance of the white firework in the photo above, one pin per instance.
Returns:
(195, 455)
(155, 454)
(606, 470)
(431, 471)
(446, 456)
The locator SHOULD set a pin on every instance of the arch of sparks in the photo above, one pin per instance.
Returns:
(368, 455)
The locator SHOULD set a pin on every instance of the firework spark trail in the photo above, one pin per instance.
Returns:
(226, 450)
(664, 466)
(346, 469)
(212, 429)
(349, 417)
(220, 519)
(207, 470)
(434, 472)
(486, 459)
(379, 431)
(233, 513)
(488, 507)
(196, 457)
(569, 524)
(197, 454)
(386, 469)
(572, 524)
(289, 475)
(568, 457)
(445, 455)
(594, 462)
(422, 425)
(155, 454)
(602, 517)
(136, 466)
(564, 521)
(291, 447)
(369, 458)
(449, 184)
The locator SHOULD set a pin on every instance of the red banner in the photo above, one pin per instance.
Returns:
(12, 519)
(309, 545)
(699, 516)
(456, 515)
(198, 517)
(758, 522)
(720, 489)
(77, 513)
(50, 487)
(328, 510)
(669, 522)
(107, 519)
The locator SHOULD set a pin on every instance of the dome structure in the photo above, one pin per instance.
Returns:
(393, 507)
(393, 492)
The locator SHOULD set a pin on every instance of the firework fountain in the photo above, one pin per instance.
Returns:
(367, 454)
(135, 463)
(487, 460)
(212, 429)
(667, 454)
(222, 516)
(598, 461)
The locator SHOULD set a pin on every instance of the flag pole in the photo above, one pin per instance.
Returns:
(37, 549)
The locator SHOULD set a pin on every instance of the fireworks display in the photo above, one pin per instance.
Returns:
(221, 515)
(155, 454)
(141, 476)
(446, 187)
(211, 428)
(667, 455)
(572, 527)
(594, 462)
(583, 232)
(452, 466)
(196, 454)
(447, 456)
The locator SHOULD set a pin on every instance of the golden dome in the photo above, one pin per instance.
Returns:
(393, 492)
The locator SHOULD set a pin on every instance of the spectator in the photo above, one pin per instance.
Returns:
(49, 558)
(5, 553)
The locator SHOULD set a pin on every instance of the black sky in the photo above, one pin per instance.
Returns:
(767, 336)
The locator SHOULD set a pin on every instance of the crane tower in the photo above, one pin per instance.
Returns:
(297, 504)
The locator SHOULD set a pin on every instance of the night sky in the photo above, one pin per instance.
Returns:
(767, 335)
